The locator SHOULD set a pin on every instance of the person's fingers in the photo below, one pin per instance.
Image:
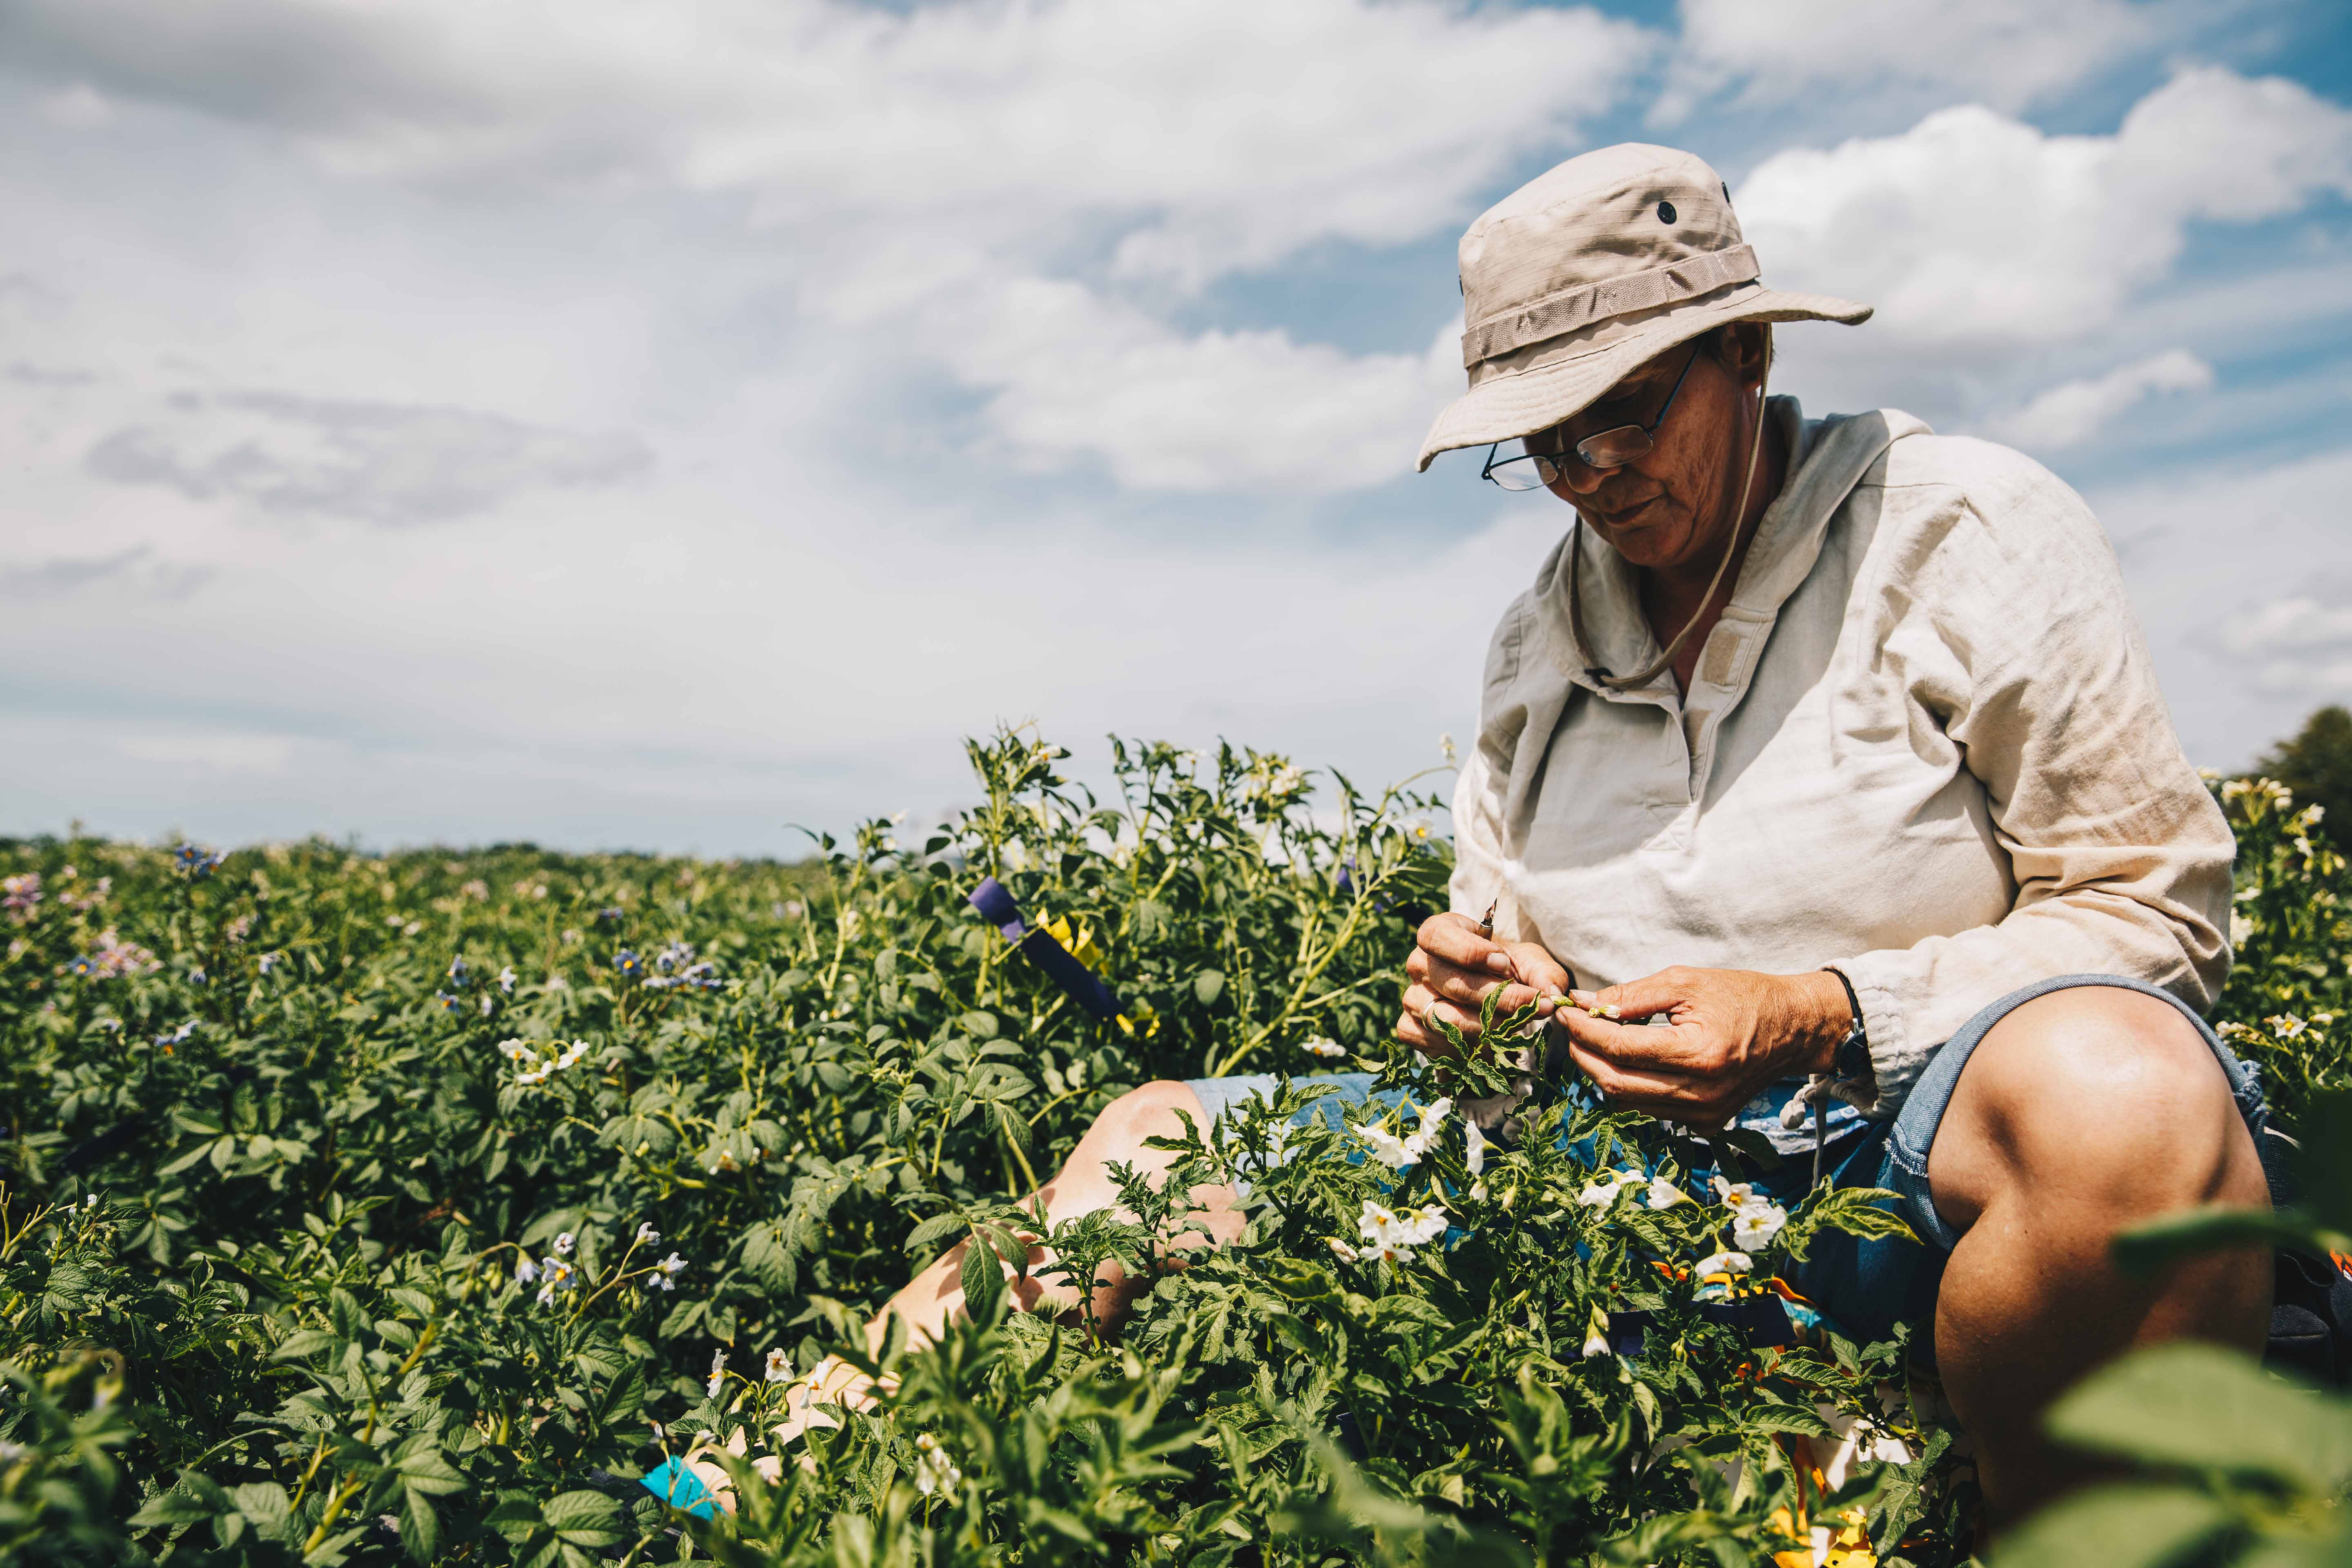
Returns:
(1692, 1102)
(1456, 941)
(1538, 968)
(1463, 1018)
(1639, 1046)
(1640, 1088)
(1661, 992)
(1468, 990)
(1468, 987)
(1420, 1003)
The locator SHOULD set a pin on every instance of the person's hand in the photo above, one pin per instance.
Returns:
(1452, 968)
(1732, 1031)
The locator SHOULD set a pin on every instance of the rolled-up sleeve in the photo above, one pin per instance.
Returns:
(2005, 603)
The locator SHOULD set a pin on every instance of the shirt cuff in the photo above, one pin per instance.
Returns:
(1895, 1063)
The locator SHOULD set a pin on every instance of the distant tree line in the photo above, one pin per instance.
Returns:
(2316, 763)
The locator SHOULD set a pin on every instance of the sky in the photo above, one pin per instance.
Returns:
(667, 423)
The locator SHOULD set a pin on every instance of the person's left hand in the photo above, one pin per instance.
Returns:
(1732, 1031)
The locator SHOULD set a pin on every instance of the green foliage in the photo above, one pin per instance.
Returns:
(378, 1208)
(2288, 1004)
(2317, 765)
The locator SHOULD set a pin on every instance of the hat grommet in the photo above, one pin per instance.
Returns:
(1666, 212)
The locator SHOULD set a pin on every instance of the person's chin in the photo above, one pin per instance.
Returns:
(1636, 523)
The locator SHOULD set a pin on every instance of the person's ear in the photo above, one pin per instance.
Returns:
(1741, 351)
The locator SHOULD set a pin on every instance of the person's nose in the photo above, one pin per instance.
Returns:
(1577, 477)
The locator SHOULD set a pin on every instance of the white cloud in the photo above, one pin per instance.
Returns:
(2206, 555)
(136, 568)
(2297, 622)
(1973, 229)
(1224, 133)
(2073, 412)
(1079, 376)
(2305, 677)
(2006, 53)
(930, 176)
(226, 753)
(387, 464)
(79, 105)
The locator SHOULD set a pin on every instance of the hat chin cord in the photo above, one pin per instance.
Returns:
(1600, 672)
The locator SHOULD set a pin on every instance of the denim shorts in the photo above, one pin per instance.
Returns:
(1862, 1286)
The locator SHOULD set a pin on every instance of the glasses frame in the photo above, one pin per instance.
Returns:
(1546, 465)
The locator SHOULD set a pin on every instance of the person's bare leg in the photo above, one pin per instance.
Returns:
(1082, 1186)
(2083, 1113)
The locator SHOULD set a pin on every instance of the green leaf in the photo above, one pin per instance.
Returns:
(173, 1507)
(304, 1342)
(2199, 1406)
(425, 1470)
(582, 1518)
(264, 1503)
(420, 1529)
(1208, 985)
(983, 1280)
(927, 1235)
(2334, 1552)
(2146, 1248)
(2115, 1527)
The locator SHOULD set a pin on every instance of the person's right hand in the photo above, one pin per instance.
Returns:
(1452, 968)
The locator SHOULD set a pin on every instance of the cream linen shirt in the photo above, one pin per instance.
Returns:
(1924, 746)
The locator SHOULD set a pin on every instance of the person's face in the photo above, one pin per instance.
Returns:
(1666, 506)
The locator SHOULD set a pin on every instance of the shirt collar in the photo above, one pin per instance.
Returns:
(1827, 458)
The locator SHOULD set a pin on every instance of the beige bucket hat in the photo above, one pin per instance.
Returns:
(1585, 272)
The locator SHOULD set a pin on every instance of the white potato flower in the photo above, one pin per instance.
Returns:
(1600, 1193)
(934, 1471)
(1400, 1154)
(1754, 1226)
(780, 1365)
(1391, 1236)
(1397, 1153)
(1755, 1218)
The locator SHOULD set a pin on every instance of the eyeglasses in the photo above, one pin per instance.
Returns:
(1611, 448)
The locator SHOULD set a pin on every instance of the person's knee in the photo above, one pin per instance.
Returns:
(1154, 1110)
(2093, 1097)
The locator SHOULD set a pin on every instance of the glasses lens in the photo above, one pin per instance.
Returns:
(1521, 473)
(1615, 449)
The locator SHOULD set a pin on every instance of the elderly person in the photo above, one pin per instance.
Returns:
(1830, 747)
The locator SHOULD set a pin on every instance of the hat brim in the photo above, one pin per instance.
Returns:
(1516, 403)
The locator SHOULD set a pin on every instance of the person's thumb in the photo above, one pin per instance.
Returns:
(1635, 999)
(1538, 968)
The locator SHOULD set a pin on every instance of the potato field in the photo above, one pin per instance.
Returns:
(362, 1208)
